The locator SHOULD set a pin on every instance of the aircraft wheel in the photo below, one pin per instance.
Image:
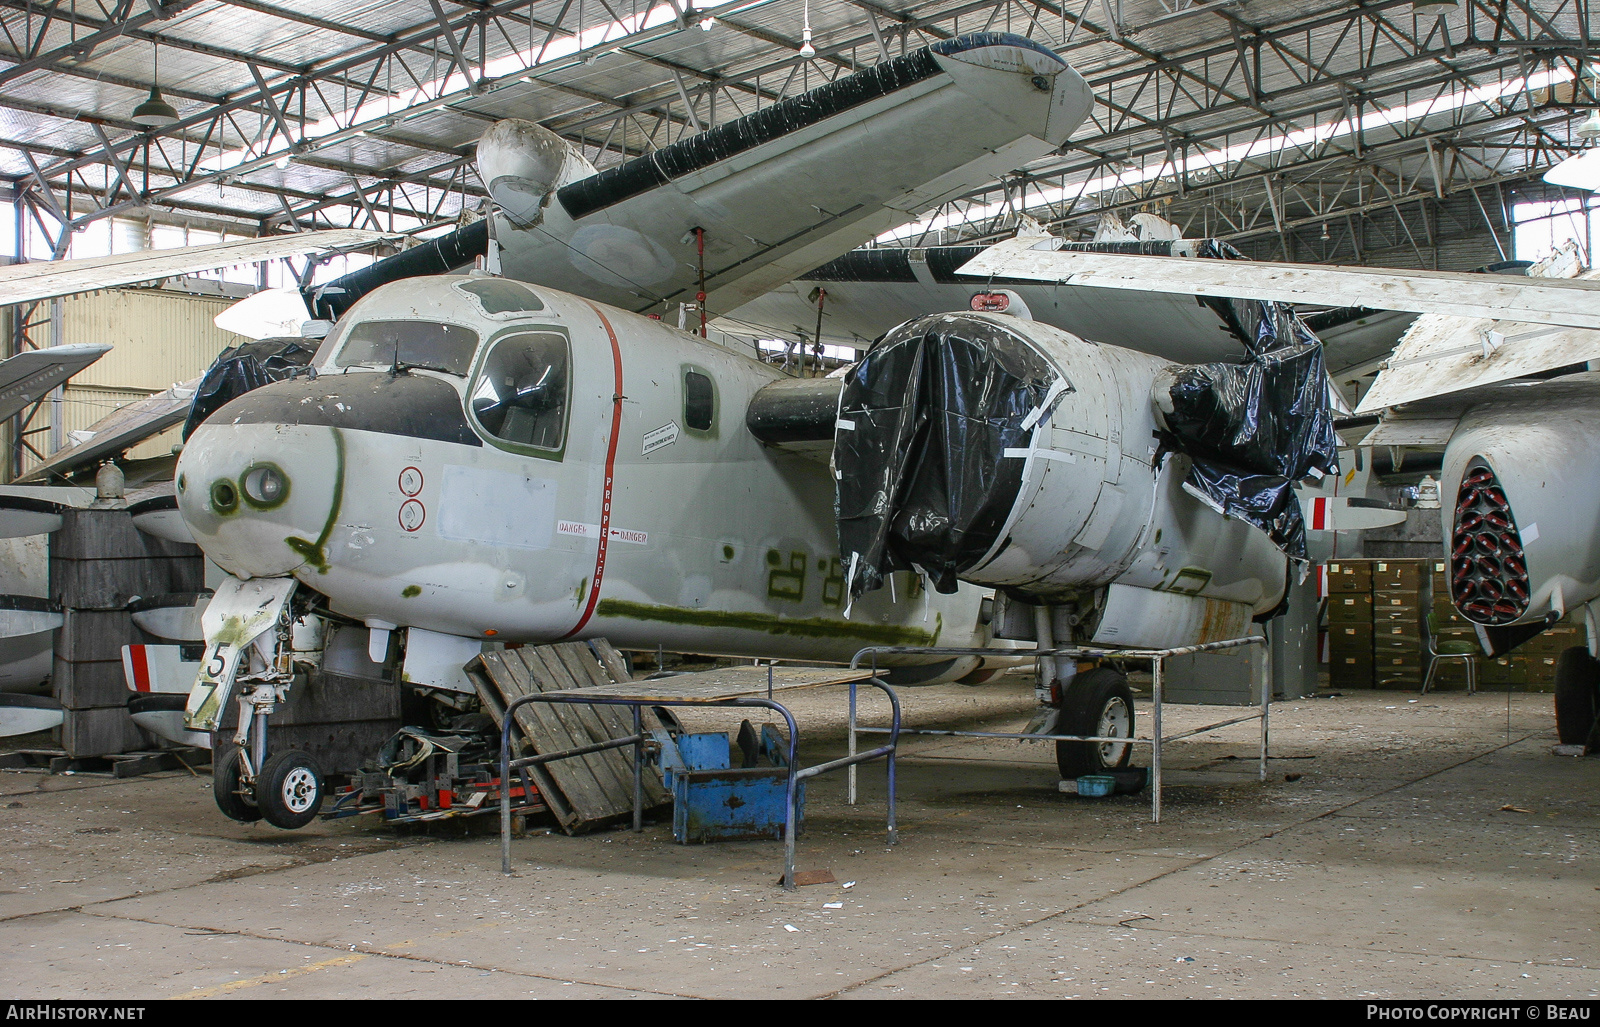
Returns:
(1577, 695)
(289, 789)
(1098, 702)
(225, 789)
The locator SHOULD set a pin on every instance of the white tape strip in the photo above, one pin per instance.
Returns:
(844, 425)
(1057, 387)
(1042, 454)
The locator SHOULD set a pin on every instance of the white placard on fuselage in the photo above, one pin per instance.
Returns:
(482, 505)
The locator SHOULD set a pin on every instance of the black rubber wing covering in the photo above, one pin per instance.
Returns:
(239, 369)
(924, 421)
(1254, 428)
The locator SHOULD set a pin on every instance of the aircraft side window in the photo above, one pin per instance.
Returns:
(699, 401)
(521, 392)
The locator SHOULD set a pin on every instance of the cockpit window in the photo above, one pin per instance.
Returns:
(521, 392)
(498, 296)
(405, 344)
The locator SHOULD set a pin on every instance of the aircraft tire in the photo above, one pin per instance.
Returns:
(289, 789)
(1098, 702)
(225, 789)
(1577, 695)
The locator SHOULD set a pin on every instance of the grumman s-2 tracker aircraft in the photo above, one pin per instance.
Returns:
(490, 459)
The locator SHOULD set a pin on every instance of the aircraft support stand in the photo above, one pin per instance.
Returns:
(1156, 658)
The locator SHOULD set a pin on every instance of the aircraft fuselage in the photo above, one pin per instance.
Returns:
(527, 466)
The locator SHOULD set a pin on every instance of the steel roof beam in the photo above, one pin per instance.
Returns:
(80, 49)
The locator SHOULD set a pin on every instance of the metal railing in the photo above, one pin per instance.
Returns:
(1155, 657)
(637, 740)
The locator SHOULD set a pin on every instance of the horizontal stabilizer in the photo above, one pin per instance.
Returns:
(29, 376)
(1343, 513)
(43, 280)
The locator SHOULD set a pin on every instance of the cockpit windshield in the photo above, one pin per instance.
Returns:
(406, 344)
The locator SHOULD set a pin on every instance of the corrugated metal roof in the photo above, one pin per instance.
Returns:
(317, 57)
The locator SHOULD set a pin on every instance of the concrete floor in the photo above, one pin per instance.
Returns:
(1422, 852)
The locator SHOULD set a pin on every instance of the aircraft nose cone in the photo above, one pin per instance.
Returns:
(261, 499)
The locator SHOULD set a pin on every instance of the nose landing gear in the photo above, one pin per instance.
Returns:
(289, 790)
(235, 798)
(250, 640)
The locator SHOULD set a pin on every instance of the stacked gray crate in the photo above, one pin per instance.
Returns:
(99, 563)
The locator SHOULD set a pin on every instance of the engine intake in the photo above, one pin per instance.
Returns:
(1488, 571)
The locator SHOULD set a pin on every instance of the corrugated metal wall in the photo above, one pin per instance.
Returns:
(158, 338)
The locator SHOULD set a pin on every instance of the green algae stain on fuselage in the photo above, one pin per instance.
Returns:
(807, 627)
(316, 553)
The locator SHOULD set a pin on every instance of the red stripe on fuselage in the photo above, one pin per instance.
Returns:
(611, 461)
(141, 668)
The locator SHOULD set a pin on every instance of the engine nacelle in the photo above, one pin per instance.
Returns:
(1058, 503)
(1519, 522)
(523, 163)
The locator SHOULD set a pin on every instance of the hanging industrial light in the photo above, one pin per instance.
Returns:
(1589, 131)
(1434, 8)
(155, 112)
(806, 49)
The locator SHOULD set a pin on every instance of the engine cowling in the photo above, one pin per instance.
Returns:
(1521, 536)
(1031, 470)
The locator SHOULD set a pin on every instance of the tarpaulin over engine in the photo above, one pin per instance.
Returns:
(239, 369)
(1254, 428)
(924, 421)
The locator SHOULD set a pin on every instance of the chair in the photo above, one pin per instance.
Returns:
(1452, 649)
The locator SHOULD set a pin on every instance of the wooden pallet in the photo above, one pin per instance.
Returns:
(583, 792)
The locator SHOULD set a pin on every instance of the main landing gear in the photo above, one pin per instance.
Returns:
(1578, 698)
(1097, 703)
